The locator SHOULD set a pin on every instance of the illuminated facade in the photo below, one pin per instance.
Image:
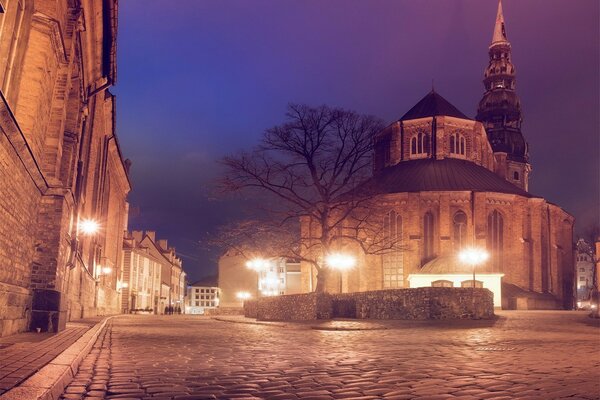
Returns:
(238, 281)
(149, 268)
(444, 181)
(202, 296)
(60, 164)
(584, 266)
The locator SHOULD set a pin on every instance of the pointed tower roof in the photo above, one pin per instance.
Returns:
(499, 29)
(432, 105)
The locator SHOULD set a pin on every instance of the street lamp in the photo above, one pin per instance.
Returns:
(257, 264)
(89, 226)
(340, 262)
(243, 295)
(265, 279)
(473, 256)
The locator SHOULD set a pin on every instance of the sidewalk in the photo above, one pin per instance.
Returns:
(33, 364)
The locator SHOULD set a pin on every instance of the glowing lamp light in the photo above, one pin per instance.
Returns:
(257, 264)
(124, 285)
(106, 270)
(473, 256)
(89, 226)
(340, 261)
(243, 295)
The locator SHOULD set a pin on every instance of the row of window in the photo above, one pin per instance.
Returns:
(419, 144)
(392, 228)
(206, 290)
(205, 304)
(206, 297)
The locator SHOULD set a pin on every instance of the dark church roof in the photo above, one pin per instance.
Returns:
(448, 174)
(432, 105)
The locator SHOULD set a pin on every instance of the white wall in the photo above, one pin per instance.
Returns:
(493, 282)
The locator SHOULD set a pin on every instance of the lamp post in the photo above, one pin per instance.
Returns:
(260, 266)
(340, 262)
(473, 256)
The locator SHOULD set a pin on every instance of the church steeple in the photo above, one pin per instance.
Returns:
(500, 109)
(499, 29)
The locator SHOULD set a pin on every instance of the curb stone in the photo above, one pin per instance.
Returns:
(52, 379)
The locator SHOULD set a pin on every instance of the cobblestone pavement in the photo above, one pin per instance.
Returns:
(524, 355)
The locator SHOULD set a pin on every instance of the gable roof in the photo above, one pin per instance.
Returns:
(433, 105)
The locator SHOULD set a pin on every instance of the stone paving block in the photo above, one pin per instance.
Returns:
(288, 363)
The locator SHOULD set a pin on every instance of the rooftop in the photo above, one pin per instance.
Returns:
(448, 174)
(433, 105)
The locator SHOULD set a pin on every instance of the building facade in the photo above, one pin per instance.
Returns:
(141, 280)
(60, 163)
(271, 278)
(152, 275)
(202, 295)
(584, 269)
(443, 182)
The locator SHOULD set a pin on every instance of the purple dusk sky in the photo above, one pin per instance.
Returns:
(200, 79)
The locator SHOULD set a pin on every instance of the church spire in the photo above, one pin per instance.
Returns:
(499, 29)
(500, 109)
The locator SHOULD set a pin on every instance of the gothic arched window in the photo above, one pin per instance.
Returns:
(393, 267)
(516, 176)
(428, 236)
(419, 144)
(495, 239)
(458, 144)
(459, 230)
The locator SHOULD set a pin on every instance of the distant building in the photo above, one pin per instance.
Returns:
(237, 281)
(153, 278)
(202, 295)
(584, 266)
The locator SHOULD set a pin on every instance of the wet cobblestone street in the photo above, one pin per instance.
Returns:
(525, 355)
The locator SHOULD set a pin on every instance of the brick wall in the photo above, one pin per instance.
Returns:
(55, 70)
(419, 304)
(19, 198)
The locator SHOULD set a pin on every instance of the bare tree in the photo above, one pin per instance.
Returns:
(309, 172)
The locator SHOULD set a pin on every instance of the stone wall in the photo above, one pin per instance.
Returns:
(59, 164)
(419, 303)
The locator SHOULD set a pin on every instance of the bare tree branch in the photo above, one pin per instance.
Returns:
(311, 166)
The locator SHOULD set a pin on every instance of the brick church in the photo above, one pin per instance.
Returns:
(447, 181)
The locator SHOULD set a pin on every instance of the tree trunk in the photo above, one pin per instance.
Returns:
(321, 280)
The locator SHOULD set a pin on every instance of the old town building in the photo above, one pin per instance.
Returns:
(62, 173)
(444, 181)
(238, 282)
(584, 269)
(141, 280)
(173, 278)
(202, 296)
(153, 277)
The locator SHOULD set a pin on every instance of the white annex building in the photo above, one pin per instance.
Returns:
(202, 295)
